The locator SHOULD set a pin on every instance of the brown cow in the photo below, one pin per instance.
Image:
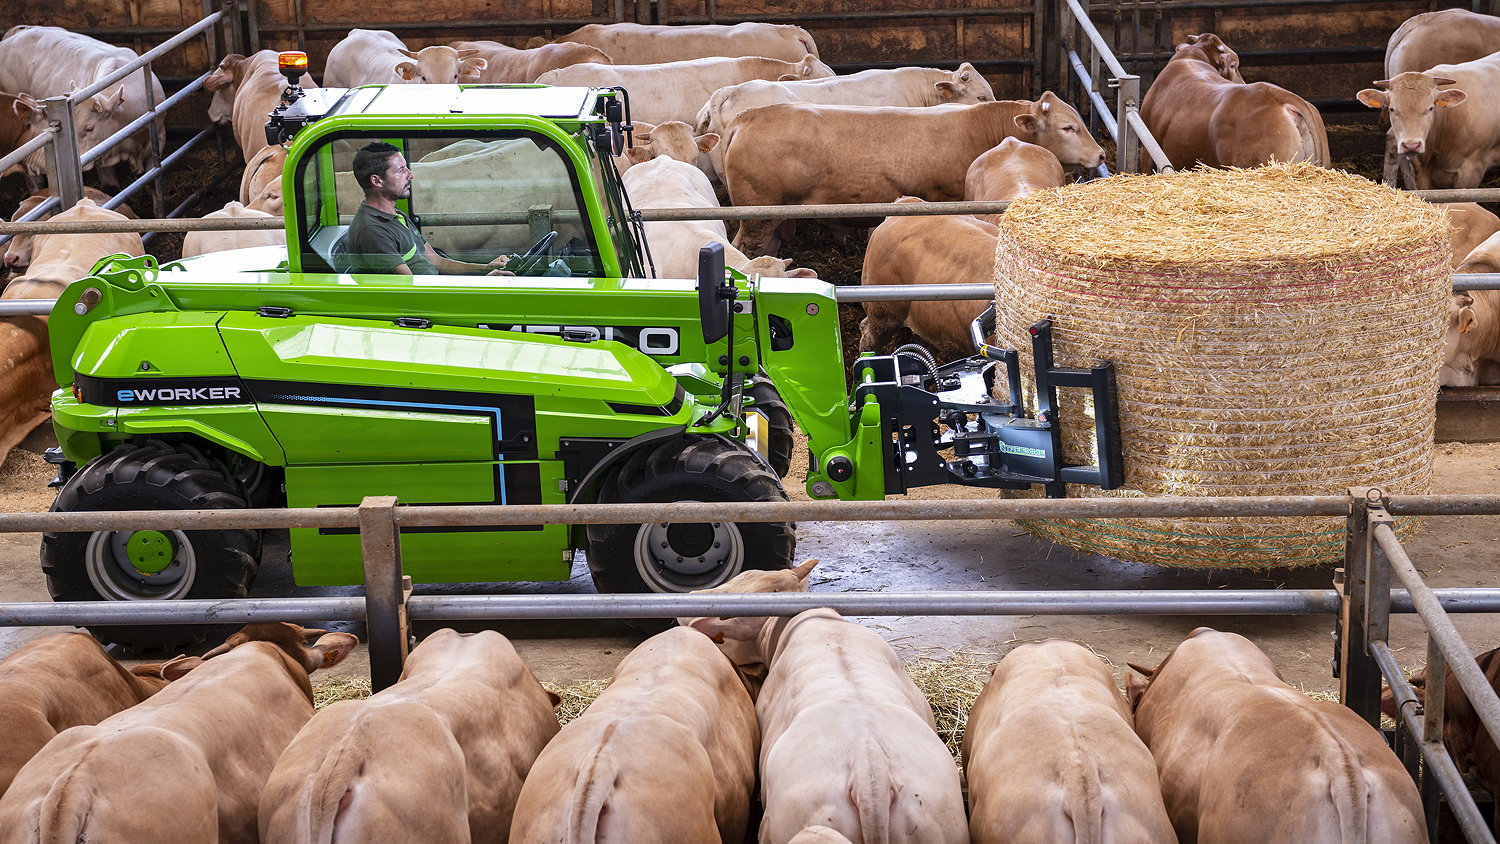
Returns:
(1200, 111)
(510, 65)
(187, 764)
(1471, 346)
(26, 379)
(634, 43)
(465, 721)
(847, 740)
(1469, 225)
(246, 89)
(1447, 36)
(260, 186)
(948, 249)
(21, 117)
(1051, 755)
(666, 753)
(1446, 120)
(18, 249)
(1464, 735)
(1244, 757)
(800, 154)
(60, 681)
(378, 57)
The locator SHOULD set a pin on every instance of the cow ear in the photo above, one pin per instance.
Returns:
(1373, 98)
(945, 89)
(1026, 122)
(330, 650)
(178, 668)
(718, 629)
(806, 568)
(707, 142)
(637, 155)
(1135, 688)
(802, 272)
(407, 70)
(476, 64)
(553, 698)
(1466, 320)
(218, 79)
(1449, 99)
(24, 105)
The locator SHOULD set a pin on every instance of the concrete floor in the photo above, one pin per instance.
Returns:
(940, 556)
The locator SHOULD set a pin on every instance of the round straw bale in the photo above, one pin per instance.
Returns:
(1275, 331)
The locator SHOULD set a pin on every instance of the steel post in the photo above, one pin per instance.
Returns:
(385, 591)
(1127, 100)
(64, 170)
(1359, 677)
(1433, 703)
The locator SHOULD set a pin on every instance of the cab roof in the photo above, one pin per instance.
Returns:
(554, 103)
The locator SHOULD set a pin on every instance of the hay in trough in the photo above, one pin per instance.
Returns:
(337, 688)
(1275, 331)
(575, 697)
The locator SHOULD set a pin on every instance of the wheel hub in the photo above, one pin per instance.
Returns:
(149, 551)
(679, 557)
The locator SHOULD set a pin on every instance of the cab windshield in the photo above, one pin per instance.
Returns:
(472, 199)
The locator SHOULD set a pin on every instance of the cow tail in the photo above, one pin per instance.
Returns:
(64, 812)
(326, 793)
(1311, 136)
(1087, 810)
(1348, 789)
(592, 789)
(872, 792)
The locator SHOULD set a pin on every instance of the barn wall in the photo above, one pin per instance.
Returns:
(1325, 52)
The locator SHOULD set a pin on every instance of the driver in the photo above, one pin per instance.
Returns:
(382, 239)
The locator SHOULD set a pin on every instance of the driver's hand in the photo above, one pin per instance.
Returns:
(499, 262)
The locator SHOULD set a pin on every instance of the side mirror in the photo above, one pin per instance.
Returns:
(711, 311)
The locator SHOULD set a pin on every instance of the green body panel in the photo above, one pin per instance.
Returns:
(326, 558)
(163, 344)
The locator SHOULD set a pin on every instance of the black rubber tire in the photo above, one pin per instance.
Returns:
(768, 402)
(151, 475)
(695, 468)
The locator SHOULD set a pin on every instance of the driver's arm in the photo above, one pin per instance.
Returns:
(444, 264)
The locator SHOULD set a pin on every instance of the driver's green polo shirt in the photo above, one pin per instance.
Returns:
(378, 242)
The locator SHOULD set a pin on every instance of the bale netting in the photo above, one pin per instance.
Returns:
(1275, 331)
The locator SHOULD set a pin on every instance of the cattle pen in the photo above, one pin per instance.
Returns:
(1360, 602)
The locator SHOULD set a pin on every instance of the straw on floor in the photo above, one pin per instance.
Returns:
(1275, 331)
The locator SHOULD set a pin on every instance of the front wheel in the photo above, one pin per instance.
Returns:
(681, 557)
(137, 565)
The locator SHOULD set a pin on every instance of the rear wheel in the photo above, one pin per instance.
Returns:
(136, 565)
(767, 401)
(681, 557)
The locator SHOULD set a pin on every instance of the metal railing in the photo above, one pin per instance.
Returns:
(65, 165)
(1123, 122)
(1361, 599)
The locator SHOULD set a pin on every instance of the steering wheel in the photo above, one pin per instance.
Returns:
(531, 258)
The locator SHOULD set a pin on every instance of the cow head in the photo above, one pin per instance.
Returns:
(1210, 48)
(223, 82)
(807, 68)
(965, 85)
(1460, 357)
(1058, 127)
(1413, 100)
(441, 65)
(33, 117)
(327, 650)
(767, 266)
(673, 139)
(738, 637)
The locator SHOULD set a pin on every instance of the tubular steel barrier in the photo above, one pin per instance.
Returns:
(1125, 127)
(1373, 554)
(1361, 601)
(65, 165)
